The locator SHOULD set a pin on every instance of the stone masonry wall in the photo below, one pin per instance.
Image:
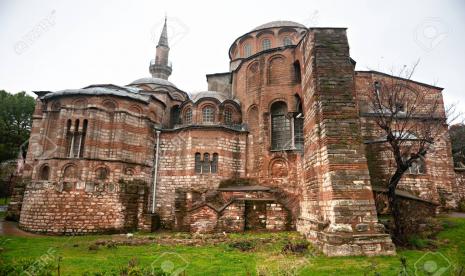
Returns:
(177, 159)
(338, 200)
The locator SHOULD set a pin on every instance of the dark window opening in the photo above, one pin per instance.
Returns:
(175, 118)
(44, 173)
(297, 73)
(198, 163)
(280, 127)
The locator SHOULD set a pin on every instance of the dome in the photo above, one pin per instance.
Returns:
(149, 80)
(210, 94)
(279, 23)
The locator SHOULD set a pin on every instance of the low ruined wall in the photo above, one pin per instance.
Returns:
(47, 208)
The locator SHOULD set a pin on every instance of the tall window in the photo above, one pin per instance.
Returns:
(174, 116)
(266, 44)
(75, 138)
(214, 168)
(198, 162)
(208, 114)
(188, 116)
(228, 116)
(209, 164)
(206, 163)
(287, 41)
(247, 50)
(280, 127)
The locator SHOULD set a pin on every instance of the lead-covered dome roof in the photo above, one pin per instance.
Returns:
(279, 23)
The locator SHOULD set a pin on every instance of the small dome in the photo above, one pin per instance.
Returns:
(211, 94)
(276, 24)
(149, 80)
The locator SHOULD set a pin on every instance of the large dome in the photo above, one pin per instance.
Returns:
(279, 23)
(150, 80)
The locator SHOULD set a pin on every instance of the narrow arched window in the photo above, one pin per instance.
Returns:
(214, 167)
(228, 116)
(44, 173)
(280, 127)
(76, 142)
(208, 114)
(247, 50)
(287, 41)
(174, 116)
(198, 162)
(83, 137)
(266, 44)
(206, 163)
(188, 117)
(69, 138)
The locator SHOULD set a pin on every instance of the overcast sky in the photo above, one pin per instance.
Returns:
(54, 45)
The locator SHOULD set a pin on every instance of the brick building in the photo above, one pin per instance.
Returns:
(281, 141)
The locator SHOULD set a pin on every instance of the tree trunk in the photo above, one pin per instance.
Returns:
(395, 208)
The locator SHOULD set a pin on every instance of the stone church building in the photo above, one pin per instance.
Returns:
(279, 142)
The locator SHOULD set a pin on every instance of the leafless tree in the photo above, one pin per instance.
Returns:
(411, 118)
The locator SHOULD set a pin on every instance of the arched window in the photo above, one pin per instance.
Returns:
(247, 50)
(228, 116)
(418, 166)
(214, 168)
(266, 44)
(76, 143)
(299, 125)
(83, 137)
(208, 114)
(75, 138)
(198, 162)
(280, 127)
(206, 163)
(287, 41)
(44, 173)
(188, 116)
(174, 116)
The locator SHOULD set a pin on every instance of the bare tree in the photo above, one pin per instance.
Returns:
(412, 118)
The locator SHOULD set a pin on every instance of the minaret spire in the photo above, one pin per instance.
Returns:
(161, 67)
(164, 36)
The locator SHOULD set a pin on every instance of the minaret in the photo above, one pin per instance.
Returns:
(161, 67)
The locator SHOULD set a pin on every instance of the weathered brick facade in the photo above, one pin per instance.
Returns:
(278, 143)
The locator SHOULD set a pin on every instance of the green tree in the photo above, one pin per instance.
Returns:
(457, 137)
(15, 122)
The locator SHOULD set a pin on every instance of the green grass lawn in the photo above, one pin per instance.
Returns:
(265, 258)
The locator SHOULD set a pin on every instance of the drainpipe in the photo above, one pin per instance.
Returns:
(155, 171)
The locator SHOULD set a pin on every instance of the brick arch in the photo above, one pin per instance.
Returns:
(79, 103)
(70, 171)
(278, 70)
(102, 173)
(278, 167)
(275, 100)
(109, 105)
(253, 75)
(207, 103)
(135, 109)
(55, 106)
(253, 117)
(44, 172)
(264, 33)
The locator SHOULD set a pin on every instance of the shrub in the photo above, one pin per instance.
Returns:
(296, 247)
(242, 245)
(461, 205)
